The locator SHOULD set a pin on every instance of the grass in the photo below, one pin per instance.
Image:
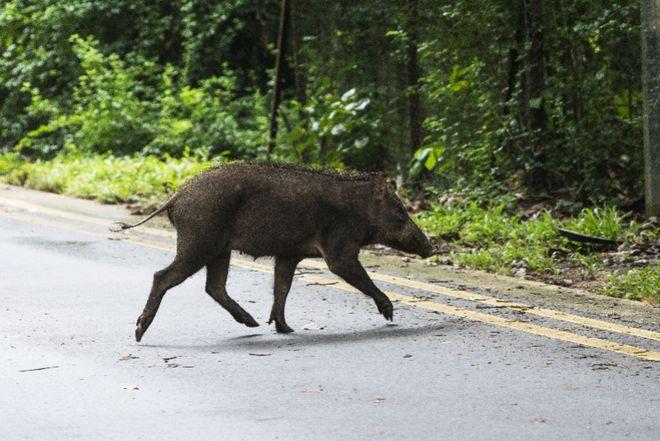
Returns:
(146, 180)
(494, 235)
(499, 238)
(495, 239)
(637, 284)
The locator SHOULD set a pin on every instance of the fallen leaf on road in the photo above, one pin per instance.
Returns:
(538, 420)
(602, 366)
(312, 326)
(407, 356)
(321, 284)
(128, 357)
(583, 356)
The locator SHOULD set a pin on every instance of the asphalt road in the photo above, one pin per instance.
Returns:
(70, 369)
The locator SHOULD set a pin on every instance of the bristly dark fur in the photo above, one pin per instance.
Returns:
(341, 175)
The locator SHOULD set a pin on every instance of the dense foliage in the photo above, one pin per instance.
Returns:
(531, 96)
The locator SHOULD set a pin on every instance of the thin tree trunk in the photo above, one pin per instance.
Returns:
(569, 60)
(513, 76)
(413, 101)
(651, 90)
(513, 57)
(300, 78)
(537, 64)
(277, 82)
(263, 56)
(537, 177)
(264, 31)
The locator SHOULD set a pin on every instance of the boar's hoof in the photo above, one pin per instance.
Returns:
(387, 310)
(139, 332)
(283, 328)
(247, 320)
(280, 326)
(252, 324)
(142, 325)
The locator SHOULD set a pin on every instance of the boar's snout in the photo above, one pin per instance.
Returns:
(426, 250)
(416, 242)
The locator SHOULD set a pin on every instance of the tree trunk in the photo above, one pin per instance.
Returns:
(413, 100)
(651, 86)
(299, 76)
(513, 57)
(263, 56)
(536, 65)
(279, 63)
(537, 177)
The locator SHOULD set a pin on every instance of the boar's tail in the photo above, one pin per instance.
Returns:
(121, 226)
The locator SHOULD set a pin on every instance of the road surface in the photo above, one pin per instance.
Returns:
(454, 365)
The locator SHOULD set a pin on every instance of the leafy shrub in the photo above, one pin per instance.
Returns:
(328, 128)
(210, 118)
(494, 238)
(637, 284)
(106, 115)
(109, 115)
(125, 109)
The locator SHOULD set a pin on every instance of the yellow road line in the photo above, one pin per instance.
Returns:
(494, 301)
(556, 334)
(518, 325)
(410, 300)
(77, 217)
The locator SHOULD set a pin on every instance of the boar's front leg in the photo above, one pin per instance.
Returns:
(216, 278)
(284, 269)
(347, 266)
(167, 278)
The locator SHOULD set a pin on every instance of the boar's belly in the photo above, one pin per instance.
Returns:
(275, 231)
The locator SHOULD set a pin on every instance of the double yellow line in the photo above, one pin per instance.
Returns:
(426, 304)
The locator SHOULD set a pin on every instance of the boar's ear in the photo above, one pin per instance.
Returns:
(380, 182)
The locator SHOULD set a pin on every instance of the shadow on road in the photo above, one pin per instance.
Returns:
(309, 338)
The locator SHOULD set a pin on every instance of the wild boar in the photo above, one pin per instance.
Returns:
(289, 212)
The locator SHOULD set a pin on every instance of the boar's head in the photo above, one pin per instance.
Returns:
(393, 225)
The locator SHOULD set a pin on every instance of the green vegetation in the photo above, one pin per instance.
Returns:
(498, 237)
(544, 97)
(637, 284)
(146, 180)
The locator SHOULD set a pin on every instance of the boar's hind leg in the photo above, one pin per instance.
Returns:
(167, 278)
(284, 269)
(216, 278)
(348, 267)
